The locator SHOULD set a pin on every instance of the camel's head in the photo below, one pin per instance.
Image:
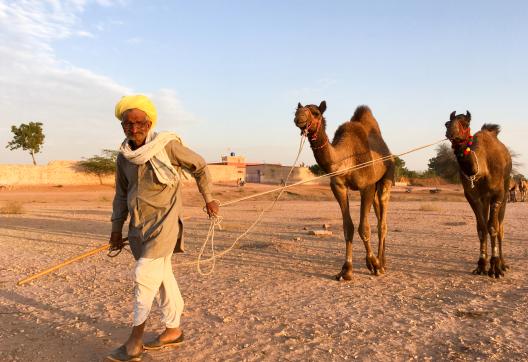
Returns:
(457, 128)
(307, 118)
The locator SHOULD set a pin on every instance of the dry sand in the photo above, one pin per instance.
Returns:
(273, 298)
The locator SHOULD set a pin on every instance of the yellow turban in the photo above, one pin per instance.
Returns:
(140, 102)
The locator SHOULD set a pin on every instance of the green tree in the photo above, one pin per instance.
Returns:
(102, 165)
(518, 176)
(516, 164)
(444, 164)
(402, 171)
(29, 137)
(316, 170)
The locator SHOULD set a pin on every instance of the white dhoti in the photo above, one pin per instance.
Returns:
(150, 277)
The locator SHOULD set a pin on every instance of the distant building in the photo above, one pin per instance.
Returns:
(233, 159)
(232, 168)
(267, 173)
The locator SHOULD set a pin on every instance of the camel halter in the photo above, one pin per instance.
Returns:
(466, 145)
(467, 141)
(313, 137)
(306, 130)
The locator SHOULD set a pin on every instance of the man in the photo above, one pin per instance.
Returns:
(148, 188)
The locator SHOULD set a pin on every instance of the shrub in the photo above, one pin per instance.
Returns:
(12, 207)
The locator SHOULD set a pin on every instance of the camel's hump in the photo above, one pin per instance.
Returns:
(493, 128)
(361, 113)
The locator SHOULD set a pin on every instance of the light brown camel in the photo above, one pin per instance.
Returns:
(485, 168)
(523, 187)
(512, 189)
(355, 142)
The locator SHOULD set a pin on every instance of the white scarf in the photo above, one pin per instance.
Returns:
(153, 151)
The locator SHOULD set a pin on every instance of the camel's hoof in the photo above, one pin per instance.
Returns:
(374, 265)
(480, 271)
(495, 270)
(481, 267)
(497, 274)
(342, 276)
(346, 272)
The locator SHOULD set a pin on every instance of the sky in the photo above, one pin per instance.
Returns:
(227, 75)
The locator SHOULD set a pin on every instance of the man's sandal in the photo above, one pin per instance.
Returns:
(157, 344)
(120, 354)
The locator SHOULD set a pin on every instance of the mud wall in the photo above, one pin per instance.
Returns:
(54, 173)
(69, 173)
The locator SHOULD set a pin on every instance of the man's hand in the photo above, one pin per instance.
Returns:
(212, 208)
(116, 241)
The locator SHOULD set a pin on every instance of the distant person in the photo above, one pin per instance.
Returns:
(148, 188)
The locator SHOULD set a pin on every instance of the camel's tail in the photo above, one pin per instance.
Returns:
(493, 128)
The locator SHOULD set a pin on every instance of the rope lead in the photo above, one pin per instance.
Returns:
(216, 220)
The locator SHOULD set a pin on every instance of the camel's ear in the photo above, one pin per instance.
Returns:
(299, 105)
(452, 115)
(322, 107)
(468, 116)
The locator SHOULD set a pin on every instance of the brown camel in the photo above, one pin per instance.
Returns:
(523, 187)
(355, 142)
(485, 168)
(512, 188)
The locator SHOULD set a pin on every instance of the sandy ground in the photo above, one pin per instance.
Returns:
(272, 298)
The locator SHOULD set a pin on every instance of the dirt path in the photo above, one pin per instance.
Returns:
(274, 297)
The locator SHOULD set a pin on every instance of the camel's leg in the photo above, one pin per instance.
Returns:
(341, 194)
(377, 211)
(481, 211)
(367, 198)
(493, 229)
(500, 236)
(383, 195)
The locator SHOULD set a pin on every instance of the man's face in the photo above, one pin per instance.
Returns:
(136, 126)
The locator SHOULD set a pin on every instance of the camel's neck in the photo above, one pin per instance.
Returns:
(466, 160)
(322, 148)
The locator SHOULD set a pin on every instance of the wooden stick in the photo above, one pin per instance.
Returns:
(72, 260)
(64, 263)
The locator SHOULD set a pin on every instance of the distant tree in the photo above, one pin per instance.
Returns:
(102, 165)
(444, 164)
(518, 176)
(316, 170)
(516, 164)
(401, 170)
(29, 137)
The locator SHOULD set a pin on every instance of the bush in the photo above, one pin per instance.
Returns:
(12, 207)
